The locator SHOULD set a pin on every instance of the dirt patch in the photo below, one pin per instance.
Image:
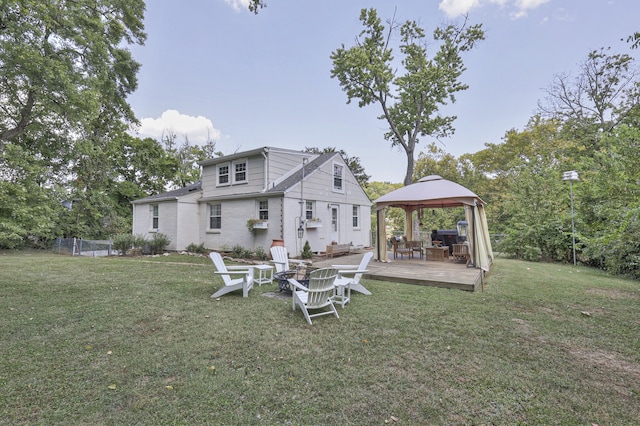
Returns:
(611, 293)
(280, 295)
(609, 363)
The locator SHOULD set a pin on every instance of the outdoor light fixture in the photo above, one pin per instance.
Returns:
(300, 231)
(463, 228)
(572, 176)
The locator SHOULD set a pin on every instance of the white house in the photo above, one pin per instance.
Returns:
(282, 193)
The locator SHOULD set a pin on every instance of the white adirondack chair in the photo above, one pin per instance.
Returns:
(319, 294)
(244, 283)
(280, 259)
(350, 275)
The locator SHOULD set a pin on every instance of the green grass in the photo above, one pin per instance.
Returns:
(132, 341)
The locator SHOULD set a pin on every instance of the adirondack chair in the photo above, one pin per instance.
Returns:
(349, 279)
(280, 259)
(244, 283)
(318, 295)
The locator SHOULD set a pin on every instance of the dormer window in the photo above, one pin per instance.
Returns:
(240, 171)
(338, 177)
(223, 174)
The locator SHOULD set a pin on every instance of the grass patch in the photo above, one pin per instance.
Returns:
(131, 341)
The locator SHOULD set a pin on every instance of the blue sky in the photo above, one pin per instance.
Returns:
(212, 69)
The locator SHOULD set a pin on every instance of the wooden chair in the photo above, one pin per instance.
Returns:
(416, 246)
(244, 283)
(401, 248)
(461, 252)
(319, 294)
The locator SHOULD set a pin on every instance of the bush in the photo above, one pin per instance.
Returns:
(158, 243)
(237, 251)
(306, 251)
(123, 243)
(196, 248)
(260, 253)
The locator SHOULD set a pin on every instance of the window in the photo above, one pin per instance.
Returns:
(309, 210)
(356, 216)
(263, 209)
(240, 171)
(154, 217)
(215, 216)
(223, 174)
(338, 172)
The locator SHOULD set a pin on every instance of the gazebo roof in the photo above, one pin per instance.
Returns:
(429, 192)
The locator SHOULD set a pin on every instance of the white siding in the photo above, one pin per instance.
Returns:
(318, 187)
(235, 214)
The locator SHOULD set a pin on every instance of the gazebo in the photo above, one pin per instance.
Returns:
(435, 192)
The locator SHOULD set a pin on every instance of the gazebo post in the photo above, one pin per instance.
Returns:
(408, 224)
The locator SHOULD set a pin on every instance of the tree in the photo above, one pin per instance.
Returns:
(352, 162)
(410, 102)
(256, 5)
(64, 65)
(604, 95)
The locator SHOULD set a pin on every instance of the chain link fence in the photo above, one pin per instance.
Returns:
(82, 247)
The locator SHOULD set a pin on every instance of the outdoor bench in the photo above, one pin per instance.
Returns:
(338, 249)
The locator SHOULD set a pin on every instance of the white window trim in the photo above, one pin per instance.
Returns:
(209, 228)
(354, 206)
(152, 209)
(218, 166)
(246, 171)
(333, 184)
(307, 210)
(260, 211)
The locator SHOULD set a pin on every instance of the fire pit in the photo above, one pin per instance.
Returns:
(302, 276)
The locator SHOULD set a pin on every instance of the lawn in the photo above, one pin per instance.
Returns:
(140, 341)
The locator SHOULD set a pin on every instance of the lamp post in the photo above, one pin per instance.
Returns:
(572, 176)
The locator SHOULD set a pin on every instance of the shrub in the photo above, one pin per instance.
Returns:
(237, 251)
(138, 242)
(196, 248)
(158, 243)
(306, 251)
(260, 253)
(123, 243)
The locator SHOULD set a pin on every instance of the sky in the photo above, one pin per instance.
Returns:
(213, 70)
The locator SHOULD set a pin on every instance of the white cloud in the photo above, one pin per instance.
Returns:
(455, 8)
(238, 4)
(198, 129)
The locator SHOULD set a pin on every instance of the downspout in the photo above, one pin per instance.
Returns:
(266, 174)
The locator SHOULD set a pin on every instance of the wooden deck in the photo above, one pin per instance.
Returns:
(445, 273)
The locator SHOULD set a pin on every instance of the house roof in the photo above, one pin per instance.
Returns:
(250, 153)
(429, 192)
(309, 168)
(172, 195)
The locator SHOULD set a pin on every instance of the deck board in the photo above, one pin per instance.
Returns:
(416, 271)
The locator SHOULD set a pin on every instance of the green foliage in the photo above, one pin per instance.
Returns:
(306, 251)
(158, 243)
(123, 243)
(237, 251)
(197, 248)
(64, 66)
(410, 101)
(260, 253)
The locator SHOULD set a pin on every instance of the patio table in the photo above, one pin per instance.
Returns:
(437, 253)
